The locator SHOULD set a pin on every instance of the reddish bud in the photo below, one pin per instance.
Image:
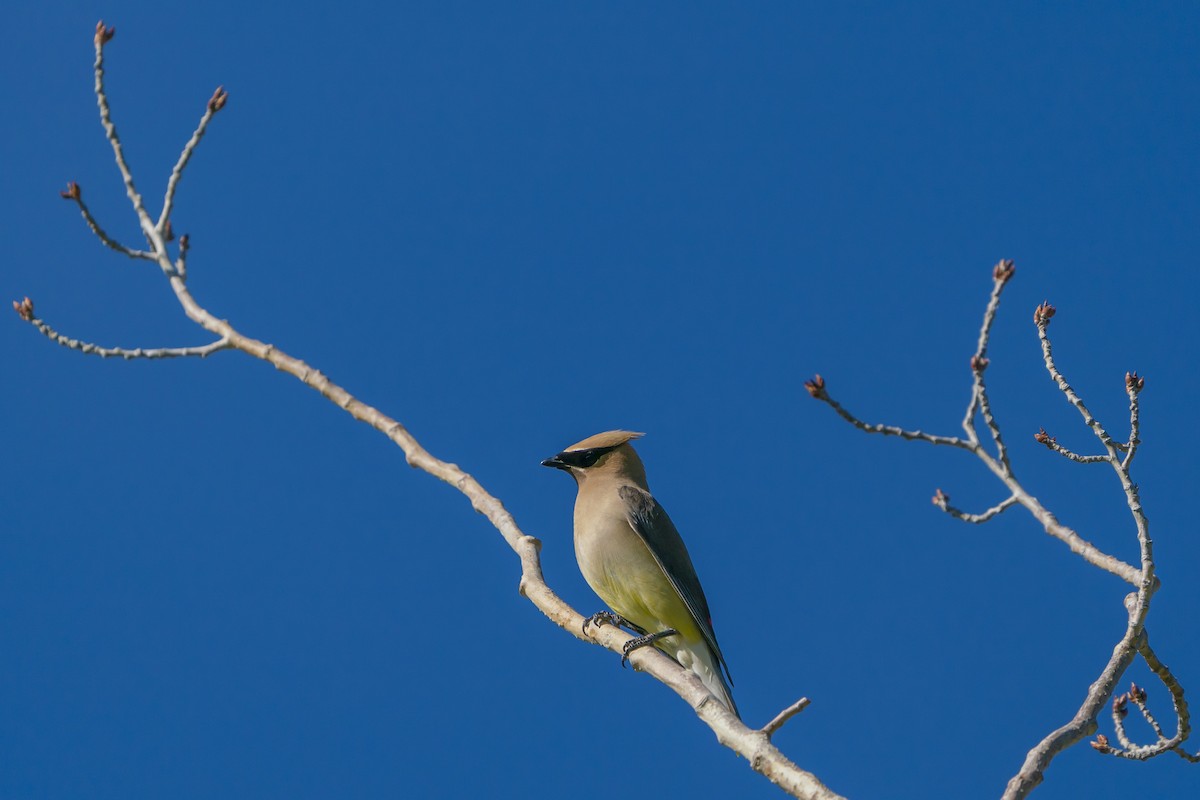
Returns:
(24, 309)
(1101, 743)
(1133, 383)
(979, 363)
(940, 498)
(217, 101)
(1119, 705)
(1137, 693)
(104, 35)
(168, 232)
(1043, 313)
(72, 192)
(816, 387)
(183, 242)
(1003, 270)
(1044, 438)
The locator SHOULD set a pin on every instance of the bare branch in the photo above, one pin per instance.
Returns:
(1002, 273)
(1179, 704)
(942, 501)
(816, 388)
(1041, 318)
(1133, 387)
(1078, 545)
(181, 263)
(1082, 725)
(215, 104)
(103, 36)
(1120, 709)
(25, 311)
(1052, 444)
(74, 192)
(783, 716)
(764, 757)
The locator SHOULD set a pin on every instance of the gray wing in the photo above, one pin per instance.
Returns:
(650, 521)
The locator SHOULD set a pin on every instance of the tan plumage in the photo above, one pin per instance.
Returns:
(633, 557)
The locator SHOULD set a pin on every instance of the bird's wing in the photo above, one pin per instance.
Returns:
(650, 521)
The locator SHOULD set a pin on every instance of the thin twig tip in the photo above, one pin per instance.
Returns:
(1101, 743)
(217, 101)
(1134, 383)
(1044, 438)
(24, 309)
(1003, 270)
(816, 386)
(104, 35)
(940, 499)
(72, 192)
(1043, 313)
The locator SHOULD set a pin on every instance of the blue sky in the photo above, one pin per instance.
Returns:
(514, 226)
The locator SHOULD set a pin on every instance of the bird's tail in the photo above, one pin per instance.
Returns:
(706, 666)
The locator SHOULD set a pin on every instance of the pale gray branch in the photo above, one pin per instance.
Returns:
(1052, 444)
(74, 192)
(942, 501)
(885, 430)
(128, 354)
(1133, 387)
(783, 716)
(1073, 398)
(103, 36)
(1001, 274)
(215, 104)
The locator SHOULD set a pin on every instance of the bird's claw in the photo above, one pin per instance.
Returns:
(601, 618)
(642, 641)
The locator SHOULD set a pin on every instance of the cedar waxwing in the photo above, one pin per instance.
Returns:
(631, 555)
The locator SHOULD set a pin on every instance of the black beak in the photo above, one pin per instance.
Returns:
(555, 462)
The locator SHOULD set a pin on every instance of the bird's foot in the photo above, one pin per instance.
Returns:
(610, 618)
(642, 641)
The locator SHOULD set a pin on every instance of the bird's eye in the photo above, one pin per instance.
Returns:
(589, 457)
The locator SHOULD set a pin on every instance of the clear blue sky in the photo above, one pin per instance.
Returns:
(512, 228)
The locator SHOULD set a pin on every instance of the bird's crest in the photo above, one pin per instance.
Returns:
(606, 439)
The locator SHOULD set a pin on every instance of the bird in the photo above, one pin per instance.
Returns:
(633, 557)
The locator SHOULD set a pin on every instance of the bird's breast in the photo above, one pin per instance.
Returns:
(620, 568)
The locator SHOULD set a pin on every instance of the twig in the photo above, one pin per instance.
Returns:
(1078, 545)
(1041, 317)
(103, 37)
(75, 192)
(1052, 444)
(783, 716)
(25, 310)
(1120, 709)
(816, 388)
(942, 501)
(1133, 388)
(1001, 274)
(215, 104)
(185, 244)
(1179, 704)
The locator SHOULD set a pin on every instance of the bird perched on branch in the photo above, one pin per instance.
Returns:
(633, 557)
